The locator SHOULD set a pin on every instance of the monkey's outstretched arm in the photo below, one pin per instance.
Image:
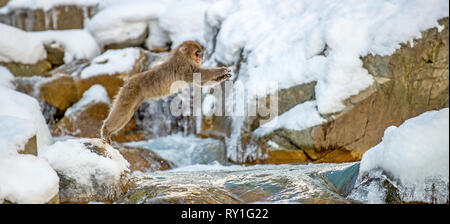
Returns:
(215, 74)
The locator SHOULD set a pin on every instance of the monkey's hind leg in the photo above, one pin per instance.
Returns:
(123, 108)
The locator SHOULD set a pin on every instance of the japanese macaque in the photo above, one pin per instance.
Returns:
(156, 83)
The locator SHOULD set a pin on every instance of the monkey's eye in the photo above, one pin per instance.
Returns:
(197, 53)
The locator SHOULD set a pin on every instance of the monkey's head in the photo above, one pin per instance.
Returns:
(191, 50)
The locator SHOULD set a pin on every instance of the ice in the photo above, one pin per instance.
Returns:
(112, 62)
(95, 94)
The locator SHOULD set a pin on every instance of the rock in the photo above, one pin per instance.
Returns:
(58, 18)
(342, 180)
(154, 193)
(60, 92)
(3, 2)
(31, 147)
(144, 160)
(87, 122)
(40, 68)
(88, 170)
(55, 54)
(407, 83)
(138, 41)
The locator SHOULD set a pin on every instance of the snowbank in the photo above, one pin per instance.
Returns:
(28, 47)
(416, 154)
(298, 42)
(95, 94)
(169, 21)
(76, 159)
(289, 120)
(19, 105)
(414, 151)
(23, 178)
(44, 4)
(26, 179)
(6, 78)
(112, 62)
(119, 21)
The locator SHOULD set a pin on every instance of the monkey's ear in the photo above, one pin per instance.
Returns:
(183, 49)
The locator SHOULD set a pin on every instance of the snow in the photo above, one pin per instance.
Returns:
(15, 133)
(112, 62)
(19, 105)
(306, 111)
(74, 160)
(95, 94)
(415, 153)
(168, 21)
(6, 78)
(119, 21)
(284, 42)
(26, 179)
(44, 4)
(28, 47)
(23, 178)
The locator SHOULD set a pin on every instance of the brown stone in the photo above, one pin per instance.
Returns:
(60, 92)
(40, 68)
(144, 160)
(87, 122)
(30, 147)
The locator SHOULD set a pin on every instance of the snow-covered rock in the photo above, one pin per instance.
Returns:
(413, 158)
(89, 170)
(308, 42)
(23, 178)
(6, 78)
(28, 47)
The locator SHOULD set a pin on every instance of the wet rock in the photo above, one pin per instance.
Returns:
(342, 180)
(144, 160)
(58, 18)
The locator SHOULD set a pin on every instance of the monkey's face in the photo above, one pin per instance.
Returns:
(192, 50)
(198, 56)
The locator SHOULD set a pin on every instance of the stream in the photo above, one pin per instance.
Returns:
(202, 175)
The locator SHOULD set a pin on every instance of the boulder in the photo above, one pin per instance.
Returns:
(412, 80)
(85, 118)
(144, 160)
(88, 170)
(60, 92)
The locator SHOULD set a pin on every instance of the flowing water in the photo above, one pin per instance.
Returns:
(203, 175)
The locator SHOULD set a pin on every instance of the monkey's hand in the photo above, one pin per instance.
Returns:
(223, 75)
